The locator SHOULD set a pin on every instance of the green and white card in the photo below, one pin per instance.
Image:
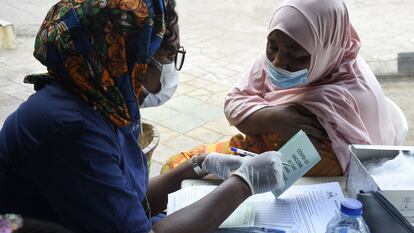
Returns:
(300, 153)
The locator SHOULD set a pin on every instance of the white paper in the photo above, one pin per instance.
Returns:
(314, 205)
(302, 208)
(243, 216)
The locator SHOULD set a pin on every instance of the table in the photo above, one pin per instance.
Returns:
(302, 181)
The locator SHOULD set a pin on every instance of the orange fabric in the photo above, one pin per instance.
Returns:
(328, 166)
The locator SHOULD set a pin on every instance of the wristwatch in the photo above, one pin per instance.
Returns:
(196, 167)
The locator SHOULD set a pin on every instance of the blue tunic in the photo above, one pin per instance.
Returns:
(62, 161)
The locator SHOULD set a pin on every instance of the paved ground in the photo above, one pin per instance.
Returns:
(222, 38)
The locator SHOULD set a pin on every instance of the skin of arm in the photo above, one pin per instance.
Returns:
(262, 121)
(287, 119)
(160, 186)
(198, 216)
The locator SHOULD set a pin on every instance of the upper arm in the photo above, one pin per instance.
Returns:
(285, 120)
(246, 97)
(79, 172)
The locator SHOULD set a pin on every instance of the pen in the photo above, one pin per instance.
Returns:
(251, 154)
(243, 152)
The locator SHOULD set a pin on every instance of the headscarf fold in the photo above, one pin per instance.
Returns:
(100, 50)
(342, 91)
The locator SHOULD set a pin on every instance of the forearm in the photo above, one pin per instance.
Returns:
(160, 186)
(207, 214)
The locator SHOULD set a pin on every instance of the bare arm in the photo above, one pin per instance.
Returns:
(160, 186)
(285, 119)
(199, 216)
(262, 121)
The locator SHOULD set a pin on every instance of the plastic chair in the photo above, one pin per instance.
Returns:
(399, 121)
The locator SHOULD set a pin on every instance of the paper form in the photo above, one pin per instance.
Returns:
(243, 216)
(314, 205)
(301, 209)
(300, 153)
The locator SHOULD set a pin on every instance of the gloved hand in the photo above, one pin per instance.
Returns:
(221, 165)
(262, 173)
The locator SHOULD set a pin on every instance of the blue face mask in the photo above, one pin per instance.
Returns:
(286, 79)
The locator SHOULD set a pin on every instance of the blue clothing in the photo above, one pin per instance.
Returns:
(62, 161)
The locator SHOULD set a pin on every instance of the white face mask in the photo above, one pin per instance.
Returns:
(169, 83)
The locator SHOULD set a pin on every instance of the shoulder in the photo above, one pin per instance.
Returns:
(56, 106)
(51, 110)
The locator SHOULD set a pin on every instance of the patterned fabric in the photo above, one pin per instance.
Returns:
(328, 166)
(100, 50)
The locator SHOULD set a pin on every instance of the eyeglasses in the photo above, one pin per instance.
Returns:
(179, 58)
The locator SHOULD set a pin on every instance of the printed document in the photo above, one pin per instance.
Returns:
(301, 209)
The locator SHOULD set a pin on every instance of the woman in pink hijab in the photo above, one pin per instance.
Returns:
(312, 78)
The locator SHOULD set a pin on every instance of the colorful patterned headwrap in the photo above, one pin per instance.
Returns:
(100, 50)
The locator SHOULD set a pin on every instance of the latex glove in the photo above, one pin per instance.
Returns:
(221, 165)
(262, 173)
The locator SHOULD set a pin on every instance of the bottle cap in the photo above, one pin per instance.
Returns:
(351, 207)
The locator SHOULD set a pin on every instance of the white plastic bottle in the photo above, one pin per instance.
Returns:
(349, 219)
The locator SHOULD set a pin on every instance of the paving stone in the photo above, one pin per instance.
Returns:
(205, 135)
(158, 114)
(218, 88)
(12, 89)
(222, 126)
(200, 92)
(8, 101)
(183, 143)
(185, 77)
(184, 88)
(196, 71)
(167, 135)
(163, 152)
(7, 106)
(183, 122)
(217, 99)
(203, 98)
(183, 103)
(22, 95)
(210, 77)
(237, 67)
(206, 112)
(199, 83)
(155, 169)
(5, 82)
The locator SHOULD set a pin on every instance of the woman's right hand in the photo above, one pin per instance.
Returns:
(221, 165)
(262, 173)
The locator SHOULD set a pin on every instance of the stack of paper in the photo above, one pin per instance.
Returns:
(305, 208)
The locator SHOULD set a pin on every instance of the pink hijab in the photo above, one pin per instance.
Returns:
(342, 92)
